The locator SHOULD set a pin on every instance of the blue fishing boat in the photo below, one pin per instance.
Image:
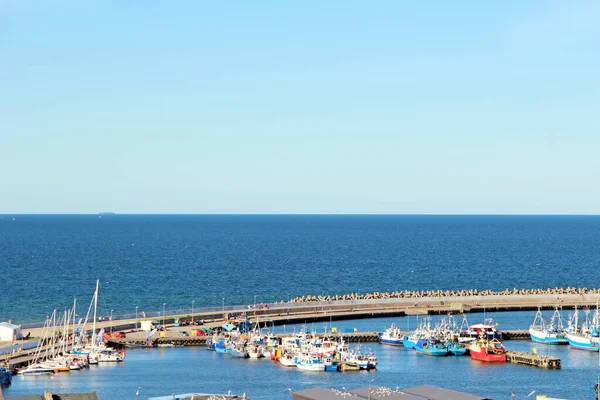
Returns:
(210, 344)
(412, 340)
(456, 349)
(5, 376)
(330, 363)
(551, 333)
(391, 336)
(432, 348)
(223, 346)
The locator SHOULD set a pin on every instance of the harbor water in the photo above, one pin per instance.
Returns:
(145, 262)
(162, 371)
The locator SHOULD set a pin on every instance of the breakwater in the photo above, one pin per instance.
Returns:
(417, 294)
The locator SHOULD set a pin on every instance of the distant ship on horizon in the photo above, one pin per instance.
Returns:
(106, 213)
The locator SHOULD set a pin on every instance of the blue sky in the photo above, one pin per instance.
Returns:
(300, 107)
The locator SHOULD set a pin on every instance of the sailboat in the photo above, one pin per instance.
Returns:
(35, 367)
(552, 333)
(96, 349)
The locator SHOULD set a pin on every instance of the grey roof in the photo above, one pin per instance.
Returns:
(324, 394)
(9, 325)
(384, 393)
(436, 393)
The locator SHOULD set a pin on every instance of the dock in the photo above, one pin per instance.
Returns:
(535, 360)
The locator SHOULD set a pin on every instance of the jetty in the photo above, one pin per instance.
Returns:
(535, 360)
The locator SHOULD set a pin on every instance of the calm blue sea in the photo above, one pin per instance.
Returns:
(148, 260)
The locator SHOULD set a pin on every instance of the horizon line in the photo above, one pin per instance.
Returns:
(112, 213)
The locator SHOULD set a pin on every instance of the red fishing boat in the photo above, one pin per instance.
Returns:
(488, 350)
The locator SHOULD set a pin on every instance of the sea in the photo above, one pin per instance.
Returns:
(153, 263)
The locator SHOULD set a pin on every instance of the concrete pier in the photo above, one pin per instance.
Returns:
(535, 360)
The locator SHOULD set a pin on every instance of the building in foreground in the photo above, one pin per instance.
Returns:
(424, 392)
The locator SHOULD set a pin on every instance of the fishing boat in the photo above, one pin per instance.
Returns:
(287, 360)
(5, 376)
(239, 351)
(355, 357)
(551, 333)
(420, 334)
(330, 363)
(488, 350)
(391, 336)
(309, 362)
(432, 348)
(456, 348)
(586, 336)
(255, 351)
(488, 331)
(348, 367)
(210, 344)
(223, 346)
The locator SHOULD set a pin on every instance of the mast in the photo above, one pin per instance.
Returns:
(95, 309)
(74, 314)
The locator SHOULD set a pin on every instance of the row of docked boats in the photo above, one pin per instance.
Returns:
(59, 351)
(480, 341)
(305, 351)
(582, 335)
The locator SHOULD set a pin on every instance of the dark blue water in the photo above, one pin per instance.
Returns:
(147, 260)
(150, 260)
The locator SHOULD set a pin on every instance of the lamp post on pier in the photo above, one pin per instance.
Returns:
(254, 301)
(164, 304)
(288, 304)
(111, 324)
(193, 301)
(136, 318)
(369, 393)
(223, 306)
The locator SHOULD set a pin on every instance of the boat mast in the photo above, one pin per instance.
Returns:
(74, 313)
(95, 309)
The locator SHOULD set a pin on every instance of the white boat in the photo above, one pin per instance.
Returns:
(391, 336)
(35, 369)
(287, 360)
(255, 351)
(107, 355)
(585, 337)
(309, 362)
(552, 333)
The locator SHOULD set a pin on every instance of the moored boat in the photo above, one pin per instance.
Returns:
(391, 336)
(287, 360)
(488, 350)
(35, 369)
(309, 362)
(586, 336)
(456, 349)
(552, 333)
(432, 348)
(5, 376)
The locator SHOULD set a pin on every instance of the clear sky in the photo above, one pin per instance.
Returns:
(300, 106)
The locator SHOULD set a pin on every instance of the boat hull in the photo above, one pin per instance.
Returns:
(391, 341)
(539, 336)
(482, 355)
(583, 343)
(432, 350)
